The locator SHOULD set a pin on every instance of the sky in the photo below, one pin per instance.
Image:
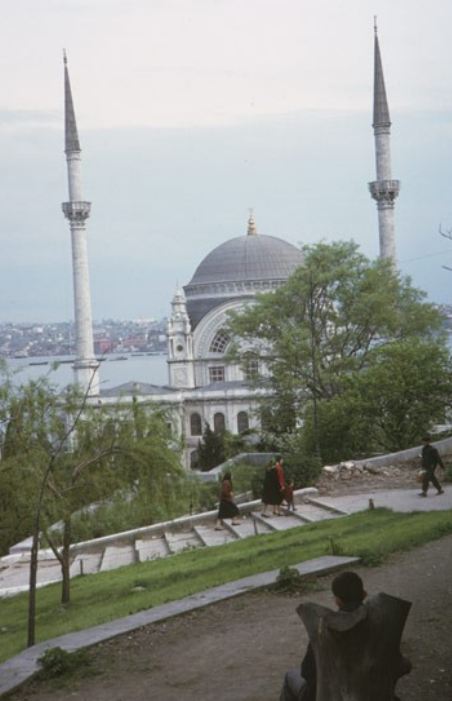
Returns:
(189, 113)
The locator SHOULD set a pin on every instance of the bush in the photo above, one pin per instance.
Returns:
(56, 662)
(448, 472)
(288, 580)
(248, 478)
(303, 469)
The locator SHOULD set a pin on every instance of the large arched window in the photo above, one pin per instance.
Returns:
(220, 341)
(243, 423)
(195, 424)
(219, 423)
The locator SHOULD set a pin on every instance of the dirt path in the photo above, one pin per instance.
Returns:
(239, 650)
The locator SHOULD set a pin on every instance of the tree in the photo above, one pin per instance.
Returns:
(334, 321)
(211, 450)
(74, 453)
(119, 449)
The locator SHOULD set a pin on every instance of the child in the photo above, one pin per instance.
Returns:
(288, 495)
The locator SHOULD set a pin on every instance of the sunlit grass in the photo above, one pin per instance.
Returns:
(105, 596)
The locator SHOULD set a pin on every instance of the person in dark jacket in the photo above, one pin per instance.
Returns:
(301, 684)
(430, 461)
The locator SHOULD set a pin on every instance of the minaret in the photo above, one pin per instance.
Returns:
(384, 189)
(180, 344)
(252, 229)
(86, 367)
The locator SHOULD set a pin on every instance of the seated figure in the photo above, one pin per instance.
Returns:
(354, 652)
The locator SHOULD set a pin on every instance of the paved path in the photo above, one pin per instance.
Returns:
(402, 500)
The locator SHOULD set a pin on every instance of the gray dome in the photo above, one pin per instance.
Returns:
(248, 258)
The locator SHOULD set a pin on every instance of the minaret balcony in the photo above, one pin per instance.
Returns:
(76, 211)
(384, 190)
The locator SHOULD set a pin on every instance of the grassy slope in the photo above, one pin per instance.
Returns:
(106, 596)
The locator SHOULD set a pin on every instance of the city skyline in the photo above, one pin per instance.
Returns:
(189, 113)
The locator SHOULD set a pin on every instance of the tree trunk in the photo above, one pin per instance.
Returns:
(66, 562)
(357, 653)
(32, 586)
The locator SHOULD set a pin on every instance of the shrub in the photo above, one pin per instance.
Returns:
(288, 580)
(56, 662)
(247, 478)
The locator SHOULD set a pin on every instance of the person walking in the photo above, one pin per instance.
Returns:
(430, 461)
(273, 491)
(227, 508)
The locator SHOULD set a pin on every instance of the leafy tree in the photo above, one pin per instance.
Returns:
(406, 390)
(327, 337)
(211, 451)
(71, 453)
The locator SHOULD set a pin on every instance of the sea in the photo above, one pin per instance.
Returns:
(114, 369)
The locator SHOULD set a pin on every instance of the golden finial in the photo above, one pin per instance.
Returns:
(252, 229)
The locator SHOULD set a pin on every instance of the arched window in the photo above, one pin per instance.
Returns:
(218, 423)
(243, 423)
(220, 341)
(195, 424)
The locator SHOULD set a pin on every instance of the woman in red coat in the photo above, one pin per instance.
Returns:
(274, 486)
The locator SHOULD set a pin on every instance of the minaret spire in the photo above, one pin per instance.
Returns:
(72, 142)
(384, 189)
(77, 212)
(252, 228)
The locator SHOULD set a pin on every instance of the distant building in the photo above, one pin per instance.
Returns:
(203, 387)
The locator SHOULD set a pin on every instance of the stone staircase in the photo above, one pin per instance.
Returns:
(158, 540)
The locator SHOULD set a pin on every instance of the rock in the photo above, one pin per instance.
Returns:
(331, 469)
(348, 464)
(373, 470)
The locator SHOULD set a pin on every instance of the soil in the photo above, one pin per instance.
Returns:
(239, 650)
(352, 481)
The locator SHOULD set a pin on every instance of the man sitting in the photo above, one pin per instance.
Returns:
(349, 594)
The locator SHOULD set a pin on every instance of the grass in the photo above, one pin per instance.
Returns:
(95, 599)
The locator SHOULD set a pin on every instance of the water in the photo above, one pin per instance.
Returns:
(113, 372)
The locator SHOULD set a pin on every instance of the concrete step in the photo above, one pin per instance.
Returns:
(86, 563)
(151, 548)
(178, 542)
(247, 527)
(161, 540)
(117, 556)
(315, 512)
(209, 536)
(283, 523)
(323, 504)
(265, 522)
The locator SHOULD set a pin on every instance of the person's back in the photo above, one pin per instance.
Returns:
(354, 651)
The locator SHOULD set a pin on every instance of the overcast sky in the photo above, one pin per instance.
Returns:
(192, 111)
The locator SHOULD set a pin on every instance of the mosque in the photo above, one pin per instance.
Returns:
(203, 387)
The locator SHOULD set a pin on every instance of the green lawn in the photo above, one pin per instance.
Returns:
(107, 595)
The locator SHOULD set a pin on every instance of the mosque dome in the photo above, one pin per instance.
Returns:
(240, 267)
(250, 258)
